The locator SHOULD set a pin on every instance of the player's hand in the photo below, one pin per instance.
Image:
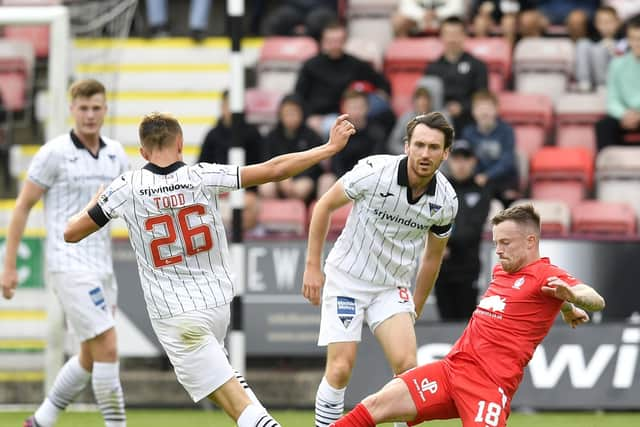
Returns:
(341, 130)
(574, 317)
(9, 281)
(559, 289)
(312, 282)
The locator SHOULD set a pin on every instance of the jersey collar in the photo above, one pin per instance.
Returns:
(80, 146)
(403, 180)
(164, 170)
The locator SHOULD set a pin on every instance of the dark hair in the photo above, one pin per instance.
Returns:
(86, 88)
(158, 130)
(453, 20)
(333, 24)
(484, 95)
(433, 120)
(521, 214)
(634, 22)
(291, 98)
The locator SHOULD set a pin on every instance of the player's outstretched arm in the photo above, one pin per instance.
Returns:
(429, 269)
(81, 224)
(288, 165)
(581, 295)
(29, 196)
(313, 279)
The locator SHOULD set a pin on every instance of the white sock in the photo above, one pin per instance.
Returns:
(329, 403)
(69, 382)
(247, 389)
(108, 393)
(256, 416)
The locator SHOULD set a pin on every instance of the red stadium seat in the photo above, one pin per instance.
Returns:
(529, 139)
(13, 89)
(563, 163)
(577, 136)
(526, 109)
(283, 216)
(570, 192)
(402, 88)
(555, 215)
(534, 54)
(411, 54)
(496, 53)
(262, 106)
(365, 49)
(597, 217)
(280, 59)
(37, 35)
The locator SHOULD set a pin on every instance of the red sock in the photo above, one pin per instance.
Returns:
(359, 417)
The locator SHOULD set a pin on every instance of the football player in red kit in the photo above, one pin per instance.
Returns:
(478, 377)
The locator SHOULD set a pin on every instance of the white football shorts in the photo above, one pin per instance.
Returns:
(348, 301)
(88, 301)
(194, 342)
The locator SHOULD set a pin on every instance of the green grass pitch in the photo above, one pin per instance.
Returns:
(173, 418)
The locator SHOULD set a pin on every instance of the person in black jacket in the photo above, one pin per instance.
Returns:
(462, 74)
(215, 149)
(324, 78)
(289, 135)
(456, 287)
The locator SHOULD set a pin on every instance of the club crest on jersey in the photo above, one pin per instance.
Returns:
(493, 303)
(97, 298)
(425, 386)
(433, 208)
(112, 156)
(346, 310)
(518, 283)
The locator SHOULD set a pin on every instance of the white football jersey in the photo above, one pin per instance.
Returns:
(71, 175)
(386, 230)
(176, 232)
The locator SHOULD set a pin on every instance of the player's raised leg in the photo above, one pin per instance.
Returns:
(330, 396)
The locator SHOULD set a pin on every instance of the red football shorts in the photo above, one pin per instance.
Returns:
(440, 392)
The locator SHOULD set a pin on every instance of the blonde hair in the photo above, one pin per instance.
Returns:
(86, 88)
(158, 130)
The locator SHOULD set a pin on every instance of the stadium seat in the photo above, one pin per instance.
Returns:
(37, 35)
(365, 49)
(568, 191)
(403, 85)
(280, 59)
(286, 216)
(543, 65)
(17, 55)
(523, 170)
(529, 139)
(620, 190)
(598, 217)
(496, 53)
(262, 106)
(526, 109)
(577, 136)
(632, 138)
(371, 19)
(555, 215)
(618, 162)
(563, 163)
(13, 88)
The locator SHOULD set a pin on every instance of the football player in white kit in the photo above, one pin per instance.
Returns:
(171, 211)
(67, 171)
(399, 203)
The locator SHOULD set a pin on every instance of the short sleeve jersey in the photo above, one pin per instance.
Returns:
(511, 319)
(71, 175)
(386, 229)
(176, 232)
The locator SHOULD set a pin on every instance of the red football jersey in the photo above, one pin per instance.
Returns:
(511, 319)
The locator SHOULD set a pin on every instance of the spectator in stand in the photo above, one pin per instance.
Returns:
(462, 74)
(215, 149)
(577, 24)
(422, 104)
(488, 14)
(324, 78)
(290, 135)
(424, 16)
(457, 284)
(493, 142)
(623, 93)
(158, 18)
(300, 18)
(531, 23)
(592, 58)
(368, 140)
